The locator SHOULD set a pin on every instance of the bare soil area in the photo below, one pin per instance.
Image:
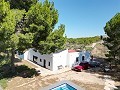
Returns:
(83, 79)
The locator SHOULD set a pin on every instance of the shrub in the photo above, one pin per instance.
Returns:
(3, 83)
(21, 68)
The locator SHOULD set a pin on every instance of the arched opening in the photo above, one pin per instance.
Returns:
(83, 58)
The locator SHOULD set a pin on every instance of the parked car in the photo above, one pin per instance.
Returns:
(94, 64)
(81, 66)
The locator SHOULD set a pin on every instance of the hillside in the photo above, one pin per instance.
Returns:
(99, 50)
(81, 43)
(93, 44)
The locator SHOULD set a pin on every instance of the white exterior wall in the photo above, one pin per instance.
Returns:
(62, 58)
(28, 55)
(72, 58)
(21, 56)
(48, 58)
(55, 59)
(86, 56)
(59, 59)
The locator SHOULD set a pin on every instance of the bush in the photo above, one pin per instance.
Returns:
(4, 61)
(3, 83)
(21, 68)
(23, 71)
(28, 73)
(33, 72)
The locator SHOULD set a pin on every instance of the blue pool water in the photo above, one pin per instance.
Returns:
(64, 86)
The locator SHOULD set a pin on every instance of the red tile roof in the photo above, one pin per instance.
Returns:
(70, 51)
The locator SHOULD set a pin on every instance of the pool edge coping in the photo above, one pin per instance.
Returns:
(62, 82)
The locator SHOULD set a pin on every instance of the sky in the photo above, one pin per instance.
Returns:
(85, 18)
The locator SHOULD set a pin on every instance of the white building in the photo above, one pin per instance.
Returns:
(84, 56)
(55, 61)
(73, 58)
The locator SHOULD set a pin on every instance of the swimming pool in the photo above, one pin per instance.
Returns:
(64, 86)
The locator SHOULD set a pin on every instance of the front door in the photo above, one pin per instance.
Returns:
(44, 63)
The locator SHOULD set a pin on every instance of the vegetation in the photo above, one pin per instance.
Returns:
(112, 29)
(29, 24)
(3, 60)
(3, 83)
(40, 22)
(22, 71)
(7, 73)
(21, 4)
(80, 43)
(85, 41)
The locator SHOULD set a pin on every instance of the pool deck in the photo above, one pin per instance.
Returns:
(50, 87)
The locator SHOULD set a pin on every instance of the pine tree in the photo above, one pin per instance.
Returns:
(112, 29)
(20, 30)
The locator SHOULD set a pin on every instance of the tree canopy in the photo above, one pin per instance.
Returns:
(85, 41)
(54, 42)
(112, 29)
(21, 4)
(25, 26)
(41, 21)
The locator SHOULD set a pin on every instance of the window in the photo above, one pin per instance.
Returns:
(77, 59)
(40, 60)
(83, 58)
(35, 58)
(49, 64)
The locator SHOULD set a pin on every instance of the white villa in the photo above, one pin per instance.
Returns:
(56, 61)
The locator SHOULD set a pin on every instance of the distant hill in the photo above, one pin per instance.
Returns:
(81, 43)
(93, 44)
